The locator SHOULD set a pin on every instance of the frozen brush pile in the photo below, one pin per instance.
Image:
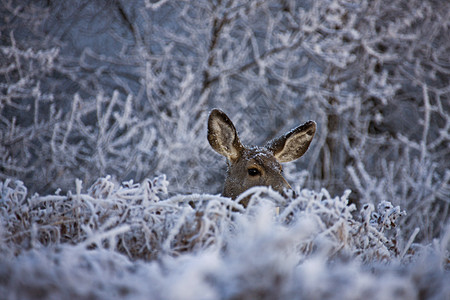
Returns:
(132, 241)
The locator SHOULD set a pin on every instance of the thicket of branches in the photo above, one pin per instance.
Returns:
(123, 88)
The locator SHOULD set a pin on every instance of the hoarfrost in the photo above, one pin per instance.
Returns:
(124, 89)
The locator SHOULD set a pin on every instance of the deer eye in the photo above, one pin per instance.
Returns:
(253, 172)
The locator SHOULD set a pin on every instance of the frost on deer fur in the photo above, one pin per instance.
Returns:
(133, 240)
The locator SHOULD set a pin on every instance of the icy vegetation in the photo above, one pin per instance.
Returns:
(109, 187)
(131, 241)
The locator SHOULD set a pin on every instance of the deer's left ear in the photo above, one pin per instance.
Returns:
(294, 143)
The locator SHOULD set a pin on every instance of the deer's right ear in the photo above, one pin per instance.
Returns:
(222, 135)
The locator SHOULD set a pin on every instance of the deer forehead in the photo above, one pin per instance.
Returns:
(260, 156)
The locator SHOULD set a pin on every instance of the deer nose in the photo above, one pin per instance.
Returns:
(284, 186)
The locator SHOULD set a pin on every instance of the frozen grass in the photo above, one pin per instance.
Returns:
(132, 241)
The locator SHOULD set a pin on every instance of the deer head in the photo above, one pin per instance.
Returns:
(250, 166)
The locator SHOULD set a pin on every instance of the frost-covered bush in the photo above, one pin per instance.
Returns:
(134, 241)
(147, 227)
(133, 219)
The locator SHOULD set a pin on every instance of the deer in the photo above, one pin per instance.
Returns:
(250, 166)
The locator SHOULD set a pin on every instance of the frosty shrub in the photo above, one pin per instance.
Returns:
(96, 88)
(132, 240)
(133, 219)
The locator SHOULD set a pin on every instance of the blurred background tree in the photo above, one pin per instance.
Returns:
(90, 88)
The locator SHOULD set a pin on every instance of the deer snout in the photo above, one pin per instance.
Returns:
(282, 187)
